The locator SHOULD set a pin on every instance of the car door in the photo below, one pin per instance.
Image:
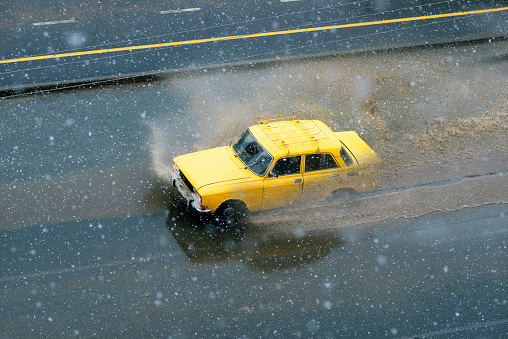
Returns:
(283, 185)
(321, 176)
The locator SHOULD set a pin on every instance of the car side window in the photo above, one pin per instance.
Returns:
(346, 157)
(319, 162)
(287, 166)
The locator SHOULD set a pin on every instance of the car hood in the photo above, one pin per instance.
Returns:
(213, 166)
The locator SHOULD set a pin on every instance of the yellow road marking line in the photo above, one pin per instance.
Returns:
(53, 22)
(248, 36)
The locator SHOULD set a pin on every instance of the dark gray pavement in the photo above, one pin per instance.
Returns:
(91, 245)
(442, 276)
(30, 29)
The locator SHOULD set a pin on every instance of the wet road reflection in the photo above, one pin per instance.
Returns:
(265, 252)
(139, 276)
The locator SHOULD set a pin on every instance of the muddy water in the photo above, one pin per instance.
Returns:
(438, 117)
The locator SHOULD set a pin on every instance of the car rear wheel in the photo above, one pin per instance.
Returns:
(344, 194)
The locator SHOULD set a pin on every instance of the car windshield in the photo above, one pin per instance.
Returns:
(252, 154)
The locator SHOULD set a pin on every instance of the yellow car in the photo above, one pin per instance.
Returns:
(277, 162)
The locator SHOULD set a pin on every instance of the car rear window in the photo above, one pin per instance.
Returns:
(348, 160)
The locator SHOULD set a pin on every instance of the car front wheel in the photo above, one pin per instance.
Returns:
(230, 212)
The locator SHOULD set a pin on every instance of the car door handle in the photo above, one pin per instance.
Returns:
(298, 180)
(351, 174)
(336, 175)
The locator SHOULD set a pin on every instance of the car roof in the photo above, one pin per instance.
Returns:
(294, 137)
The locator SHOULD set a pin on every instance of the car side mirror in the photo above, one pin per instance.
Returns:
(273, 174)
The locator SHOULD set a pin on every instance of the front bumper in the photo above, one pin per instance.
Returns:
(193, 199)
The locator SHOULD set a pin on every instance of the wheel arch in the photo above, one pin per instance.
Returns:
(236, 202)
(345, 192)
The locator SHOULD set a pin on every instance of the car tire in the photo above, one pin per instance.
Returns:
(344, 194)
(230, 212)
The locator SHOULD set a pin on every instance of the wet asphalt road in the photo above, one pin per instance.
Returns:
(93, 244)
(442, 275)
(30, 29)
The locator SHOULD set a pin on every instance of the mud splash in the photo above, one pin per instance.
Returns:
(432, 114)
(411, 202)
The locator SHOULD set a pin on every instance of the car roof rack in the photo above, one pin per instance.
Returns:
(296, 134)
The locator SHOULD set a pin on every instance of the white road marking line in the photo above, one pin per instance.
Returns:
(133, 260)
(459, 329)
(54, 22)
(289, 0)
(173, 11)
